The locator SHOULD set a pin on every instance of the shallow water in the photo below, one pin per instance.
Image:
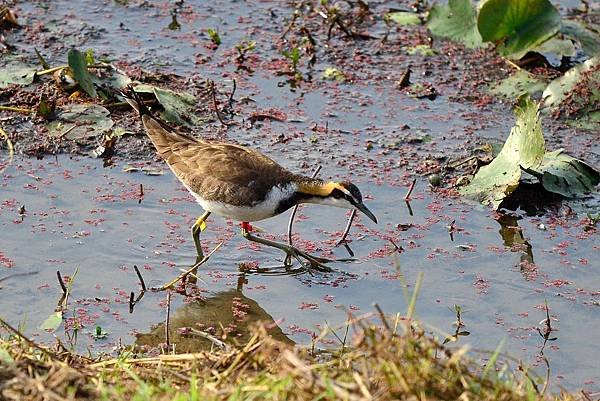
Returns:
(79, 214)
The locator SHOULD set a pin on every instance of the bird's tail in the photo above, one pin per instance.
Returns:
(164, 137)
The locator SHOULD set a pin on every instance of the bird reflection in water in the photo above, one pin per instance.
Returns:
(228, 312)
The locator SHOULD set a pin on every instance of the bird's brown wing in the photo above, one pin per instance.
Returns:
(228, 173)
(217, 171)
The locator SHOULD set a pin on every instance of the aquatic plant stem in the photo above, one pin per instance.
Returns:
(184, 274)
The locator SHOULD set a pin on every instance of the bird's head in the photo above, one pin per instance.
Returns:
(340, 194)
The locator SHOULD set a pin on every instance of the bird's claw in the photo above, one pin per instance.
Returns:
(314, 262)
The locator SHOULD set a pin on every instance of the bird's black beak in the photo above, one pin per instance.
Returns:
(367, 212)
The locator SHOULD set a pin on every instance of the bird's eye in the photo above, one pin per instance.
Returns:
(337, 194)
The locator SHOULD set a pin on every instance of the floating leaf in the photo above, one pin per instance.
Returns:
(179, 107)
(78, 65)
(456, 21)
(16, 73)
(78, 121)
(53, 322)
(562, 174)
(518, 84)
(589, 40)
(523, 148)
(520, 24)
(556, 46)
(404, 18)
(332, 73)
(422, 50)
(559, 89)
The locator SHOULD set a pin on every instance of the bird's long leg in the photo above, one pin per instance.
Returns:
(291, 251)
(197, 228)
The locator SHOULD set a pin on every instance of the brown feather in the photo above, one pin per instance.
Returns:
(217, 171)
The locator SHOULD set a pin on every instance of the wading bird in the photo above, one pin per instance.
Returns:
(240, 183)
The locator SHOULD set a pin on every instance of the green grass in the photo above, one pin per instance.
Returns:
(377, 363)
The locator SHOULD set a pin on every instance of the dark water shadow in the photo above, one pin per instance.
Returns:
(227, 315)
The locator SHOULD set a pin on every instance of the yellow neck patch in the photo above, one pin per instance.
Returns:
(319, 189)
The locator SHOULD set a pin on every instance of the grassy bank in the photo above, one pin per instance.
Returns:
(380, 362)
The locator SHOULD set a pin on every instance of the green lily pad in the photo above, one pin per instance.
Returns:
(80, 121)
(78, 65)
(589, 40)
(16, 73)
(562, 174)
(333, 74)
(53, 322)
(559, 89)
(523, 148)
(404, 18)
(519, 84)
(456, 21)
(559, 47)
(521, 24)
(421, 50)
(179, 107)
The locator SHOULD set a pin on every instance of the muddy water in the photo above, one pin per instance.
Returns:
(79, 214)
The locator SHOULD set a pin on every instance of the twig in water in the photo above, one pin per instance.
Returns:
(232, 93)
(213, 92)
(141, 196)
(137, 271)
(183, 275)
(61, 282)
(64, 298)
(547, 330)
(295, 209)
(347, 229)
(382, 317)
(410, 190)
(167, 320)
(410, 211)
(547, 376)
(132, 300)
(211, 338)
(397, 248)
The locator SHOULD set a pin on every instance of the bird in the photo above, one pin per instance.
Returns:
(239, 182)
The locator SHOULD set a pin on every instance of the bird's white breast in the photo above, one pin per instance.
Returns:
(257, 211)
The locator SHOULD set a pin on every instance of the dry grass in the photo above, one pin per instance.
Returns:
(378, 365)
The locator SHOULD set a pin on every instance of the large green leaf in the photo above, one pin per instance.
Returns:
(523, 148)
(52, 322)
(16, 73)
(456, 21)
(520, 24)
(562, 87)
(79, 121)
(179, 107)
(565, 175)
(404, 18)
(78, 65)
(589, 40)
(518, 84)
